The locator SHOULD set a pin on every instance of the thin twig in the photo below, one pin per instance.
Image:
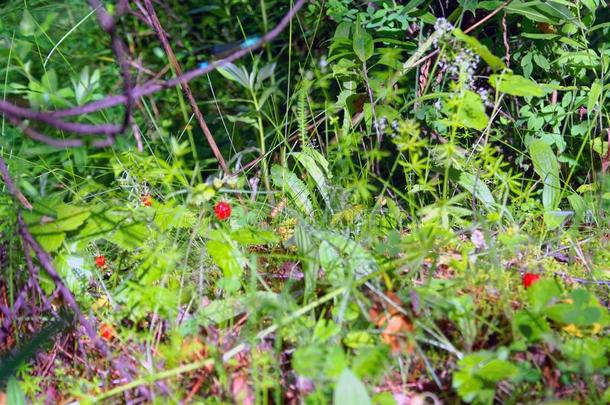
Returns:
(152, 15)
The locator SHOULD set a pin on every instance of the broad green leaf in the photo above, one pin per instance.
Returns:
(51, 233)
(492, 60)
(320, 159)
(477, 188)
(600, 146)
(235, 73)
(547, 167)
(596, 90)
(50, 242)
(223, 310)
(350, 390)
(73, 271)
(554, 8)
(471, 111)
(290, 183)
(579, 206)
(496, 370)
(516, 85)
(27, 26)
(579, 59)
(553, 219)
(70, 217)
(530, 11)
(14, 394)
(254, 236)
(316, 174)
(246, 120)
(329, 257)
(98, 225)
(363, 43)
(531, 326)
(538, 35)
(357, 259)
(542, 293)
(226, 258)
(343, 30)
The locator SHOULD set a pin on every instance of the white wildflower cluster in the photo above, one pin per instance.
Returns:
(442, 27)
(461, 66)
(485, 96)
(381, 126)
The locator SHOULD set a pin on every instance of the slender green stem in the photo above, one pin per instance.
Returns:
(152, 378)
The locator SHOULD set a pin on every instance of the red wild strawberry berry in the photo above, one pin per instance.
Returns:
(107, 332)
(529, 279)
(222, 210)
(147, 200)
(100, 261)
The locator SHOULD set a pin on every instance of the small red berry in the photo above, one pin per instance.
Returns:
(147, 200)
(107, 332)
(529, 279)
(222, 210)
(100, 261)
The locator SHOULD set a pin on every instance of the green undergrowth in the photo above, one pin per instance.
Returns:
(415, 232)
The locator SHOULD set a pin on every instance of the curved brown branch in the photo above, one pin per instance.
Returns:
(108, 24)
(152, 87)
(131, 94)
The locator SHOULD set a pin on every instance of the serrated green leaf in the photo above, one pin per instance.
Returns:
(542, 293)
(130, 235)
(67, 218)
(50, 242)
(173, 216)
(98, 224)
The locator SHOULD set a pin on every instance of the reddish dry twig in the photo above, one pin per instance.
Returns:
(152, 16)
(505, 38)
(46, 262)
(108, 24)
